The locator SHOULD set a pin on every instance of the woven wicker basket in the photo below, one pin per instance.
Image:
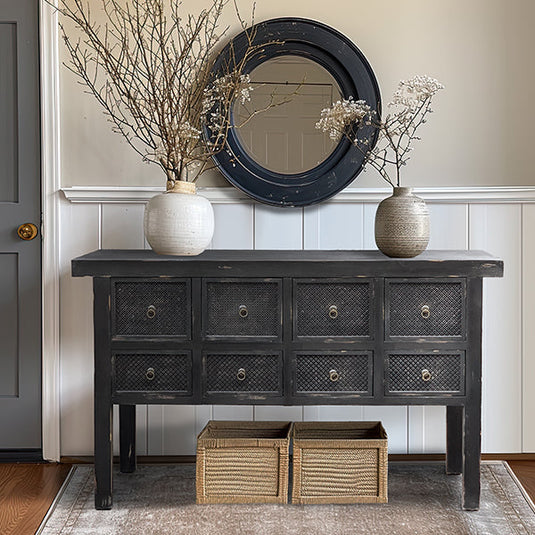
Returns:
(339, 462)
(243, 462)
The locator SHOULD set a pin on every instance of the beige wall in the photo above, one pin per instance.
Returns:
(480, 49)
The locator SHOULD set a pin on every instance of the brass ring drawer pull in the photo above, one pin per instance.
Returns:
(333, 312)
(242, 311)
(425, 312)
(151, 311)
(426, 375)
(334, 376)
(150, 374)
(241, 374)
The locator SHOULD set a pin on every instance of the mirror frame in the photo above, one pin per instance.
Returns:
(354, 76)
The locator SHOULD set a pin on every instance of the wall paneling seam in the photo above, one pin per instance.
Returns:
(522, 328)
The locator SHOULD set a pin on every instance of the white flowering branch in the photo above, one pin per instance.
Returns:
(411, 104)
(151, 71)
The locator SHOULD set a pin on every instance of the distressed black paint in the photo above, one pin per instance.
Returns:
(288, 269)
(355, 77)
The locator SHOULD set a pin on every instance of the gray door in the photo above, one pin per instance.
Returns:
(20, 202)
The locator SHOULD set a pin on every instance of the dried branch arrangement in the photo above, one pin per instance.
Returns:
(396, 132)
(150, 69)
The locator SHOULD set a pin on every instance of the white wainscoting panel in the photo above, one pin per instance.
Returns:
(233, 412)
(278, 413)
(80, 234)
(172, 430)
(122, 226)
(278, 228)
(448, 226)
(234, 226)
(503, 227)
(368, 226)
(528, 315)
(497, 229)
(332, 413)
(334, 226)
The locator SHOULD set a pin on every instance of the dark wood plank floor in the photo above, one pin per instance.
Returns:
(28, 490)
(26, 493)
(525, 471)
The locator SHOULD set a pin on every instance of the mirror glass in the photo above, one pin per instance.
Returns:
(277, 126)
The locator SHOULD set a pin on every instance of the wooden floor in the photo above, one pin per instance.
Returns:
(27, 491)
(525, 471)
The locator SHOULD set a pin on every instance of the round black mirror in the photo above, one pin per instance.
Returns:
(277, 156)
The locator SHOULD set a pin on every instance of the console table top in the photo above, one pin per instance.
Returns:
(141, 262)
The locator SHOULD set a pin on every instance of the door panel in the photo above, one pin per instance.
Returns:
(279, 137)
(9, 326)
(20, 201)
(8, 107)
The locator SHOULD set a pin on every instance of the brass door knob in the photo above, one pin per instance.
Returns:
(27, 231)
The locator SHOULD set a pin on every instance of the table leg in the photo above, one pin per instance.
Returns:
(471, 456)
(103, 423)
(454, 447)
(127, 438)
(103, 453)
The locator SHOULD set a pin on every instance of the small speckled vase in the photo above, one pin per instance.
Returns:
(402, 224)
(179, 222)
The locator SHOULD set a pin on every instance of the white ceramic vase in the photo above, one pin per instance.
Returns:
(179, 222)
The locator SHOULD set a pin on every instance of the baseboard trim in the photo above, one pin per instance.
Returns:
(393, 457)
(442, 457)
(21, 456)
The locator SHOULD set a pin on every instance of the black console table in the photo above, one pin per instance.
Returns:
(288, 328)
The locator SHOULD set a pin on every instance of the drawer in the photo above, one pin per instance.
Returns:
(260, 372)
(152, 308)
(426, 309)
(332, 308)
(242, 308)
(333, 371)
(152, 372)
(425, 373)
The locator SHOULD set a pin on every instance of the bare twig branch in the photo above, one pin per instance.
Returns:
(150, 69)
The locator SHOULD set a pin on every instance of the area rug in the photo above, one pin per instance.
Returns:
(160, 499)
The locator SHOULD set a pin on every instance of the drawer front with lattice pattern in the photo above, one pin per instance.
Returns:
(241, 372)
(425, 309)
(152, 308)
(242, 309)
(429, 373)
(331, 372)
(332, 309)
(152, 372)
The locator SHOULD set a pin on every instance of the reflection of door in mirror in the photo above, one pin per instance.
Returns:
(277, 127)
